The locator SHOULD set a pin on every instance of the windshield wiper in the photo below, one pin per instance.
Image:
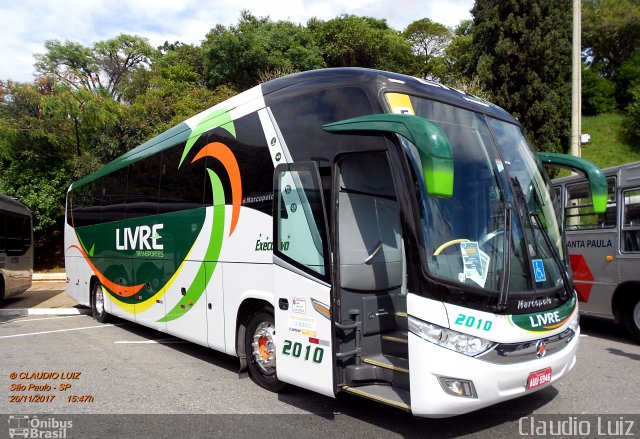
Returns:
(545, 235)
(506, 260)
(554, 253)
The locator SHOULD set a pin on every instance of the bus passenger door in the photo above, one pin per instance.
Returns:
(302, 279)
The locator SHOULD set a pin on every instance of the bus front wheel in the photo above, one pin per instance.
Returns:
(632, 318)
(260, 349)
(97, 304)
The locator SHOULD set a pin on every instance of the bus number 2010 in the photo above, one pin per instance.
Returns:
(295, 350)
(470, 321)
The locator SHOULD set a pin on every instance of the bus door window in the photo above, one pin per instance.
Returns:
(301, 234)
(631, 221)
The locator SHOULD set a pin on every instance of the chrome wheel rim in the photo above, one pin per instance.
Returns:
(99, 300)
(636, 315)
(263, 348)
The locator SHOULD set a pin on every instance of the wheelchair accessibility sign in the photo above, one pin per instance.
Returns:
(538, 270)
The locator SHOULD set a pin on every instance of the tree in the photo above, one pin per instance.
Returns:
(428, 40)
(611, 41)
(610, 33)
(238, 55)
(351, 41)
(103, 69)
(523, 49)
(33, 164)
(459, 53)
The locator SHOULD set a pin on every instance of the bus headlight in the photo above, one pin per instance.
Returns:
(575, 323)
(448, 338)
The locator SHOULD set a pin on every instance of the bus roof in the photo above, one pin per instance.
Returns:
(372, 80)
(631, 170)
(10, 203)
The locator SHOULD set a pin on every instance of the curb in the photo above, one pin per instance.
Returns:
(49, 277)
(44, 311)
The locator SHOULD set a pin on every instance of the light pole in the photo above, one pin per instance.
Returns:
(576, 82)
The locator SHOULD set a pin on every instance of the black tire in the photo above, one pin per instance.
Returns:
(632, 318)
(97, 304)
(1, 292)
(260, 350)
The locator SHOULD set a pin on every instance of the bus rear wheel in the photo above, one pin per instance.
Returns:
(97, 304)
(260, 350)
(632, 318)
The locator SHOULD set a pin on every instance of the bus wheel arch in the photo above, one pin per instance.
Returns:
(256, 322)
(626, 307)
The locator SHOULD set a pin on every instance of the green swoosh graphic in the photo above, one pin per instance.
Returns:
(213, 252)
(219, 118)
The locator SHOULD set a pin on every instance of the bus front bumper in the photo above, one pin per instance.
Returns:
(493, 383)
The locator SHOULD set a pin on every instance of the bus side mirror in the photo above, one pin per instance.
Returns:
(597, 180)
(436, 156)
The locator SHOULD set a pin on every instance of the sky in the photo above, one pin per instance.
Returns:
(26, 24)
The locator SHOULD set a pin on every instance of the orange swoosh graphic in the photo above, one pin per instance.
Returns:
(222, 152)
(120, 290)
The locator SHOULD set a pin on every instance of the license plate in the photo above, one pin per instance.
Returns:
(539, 378)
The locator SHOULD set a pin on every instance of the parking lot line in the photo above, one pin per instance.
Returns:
(164, 341)
(35, 320)
(62, 330)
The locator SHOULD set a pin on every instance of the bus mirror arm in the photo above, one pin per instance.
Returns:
(436, 155)
(597, 180)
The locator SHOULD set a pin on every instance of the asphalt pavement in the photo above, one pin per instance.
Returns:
(125, 380)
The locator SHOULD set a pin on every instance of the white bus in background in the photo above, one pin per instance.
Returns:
(16, 248)
(341, 230)
(605, 248)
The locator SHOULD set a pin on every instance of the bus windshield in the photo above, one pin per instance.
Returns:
(499, 189)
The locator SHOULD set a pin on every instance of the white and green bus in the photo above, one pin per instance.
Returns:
(341, 230)
(16, 249)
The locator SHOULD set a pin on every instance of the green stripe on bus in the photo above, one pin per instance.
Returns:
(213, 252)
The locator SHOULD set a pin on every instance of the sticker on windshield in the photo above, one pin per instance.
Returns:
(538, 270)
(475, 262)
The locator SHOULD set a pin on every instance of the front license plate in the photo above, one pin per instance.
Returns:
(539, 378)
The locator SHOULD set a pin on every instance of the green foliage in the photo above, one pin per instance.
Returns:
(627, 79)
(598, 93)
(611, 43)
(524, 57)
(609, 146)
(633, 117)
(239, 54)
(610, 33)
(459, 53)
(351, 41)
(103, 69)
(428, 40)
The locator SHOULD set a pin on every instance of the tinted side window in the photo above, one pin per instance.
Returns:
(113, 195)
(84, 205)
(15, 227)
(143, 188)
(181, 188)
(300, 120)
(252, 154)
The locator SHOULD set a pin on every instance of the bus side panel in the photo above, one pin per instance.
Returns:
(248, 270)
(188, 318)
(77, 269)
(595, 277)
